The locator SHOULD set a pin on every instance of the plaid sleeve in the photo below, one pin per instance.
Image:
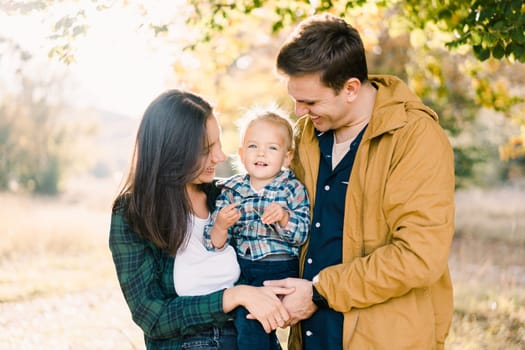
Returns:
(224, 199)
(296, 231)
(146, 279)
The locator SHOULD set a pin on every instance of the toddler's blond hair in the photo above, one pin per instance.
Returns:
(272, 114)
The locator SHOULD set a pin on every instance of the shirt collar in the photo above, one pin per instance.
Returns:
(241, 182)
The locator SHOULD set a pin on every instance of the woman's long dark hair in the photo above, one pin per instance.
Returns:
(169, 149)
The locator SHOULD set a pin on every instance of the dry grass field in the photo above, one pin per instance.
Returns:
(58, 288)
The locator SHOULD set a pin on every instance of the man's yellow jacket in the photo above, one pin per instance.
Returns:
(393, 285)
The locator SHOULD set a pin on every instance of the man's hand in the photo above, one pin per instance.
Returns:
(299, 304)
(262, 303)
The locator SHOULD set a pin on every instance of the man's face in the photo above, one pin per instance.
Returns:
(327, 110)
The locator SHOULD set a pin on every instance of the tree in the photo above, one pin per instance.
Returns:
(35, 146)
(493, 31)
(491, 27)
(459, 56)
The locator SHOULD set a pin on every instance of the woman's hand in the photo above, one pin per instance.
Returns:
(263, 304)
(299, 303)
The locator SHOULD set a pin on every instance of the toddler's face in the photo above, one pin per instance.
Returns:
(264, 150)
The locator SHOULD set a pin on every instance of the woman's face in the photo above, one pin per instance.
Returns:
(213, 155)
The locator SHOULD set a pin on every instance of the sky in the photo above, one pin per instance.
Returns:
(116, 66)
(116, 69)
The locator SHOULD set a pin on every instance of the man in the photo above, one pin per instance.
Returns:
(380, 175)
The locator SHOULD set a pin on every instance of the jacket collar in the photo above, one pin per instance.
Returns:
(394, 102)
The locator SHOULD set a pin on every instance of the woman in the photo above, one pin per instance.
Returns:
(178, 293)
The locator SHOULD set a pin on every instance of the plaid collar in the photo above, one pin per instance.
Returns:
(241, 183)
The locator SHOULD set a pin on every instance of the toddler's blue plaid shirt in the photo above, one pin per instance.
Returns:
(251, 238)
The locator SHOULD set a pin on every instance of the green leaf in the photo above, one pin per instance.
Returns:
(77, 30)
(498, 51)
(518, 36)
(475, 38)
(277, 26)
(518, 50)
(509, 49)
(500, 25)
(508, 10)
(516, 5)
(481, 53)
(521, 57)
(483, 15)
(489, 40)
(64, 23)
(444, 14)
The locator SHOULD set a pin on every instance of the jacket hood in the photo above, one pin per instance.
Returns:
(394, 103)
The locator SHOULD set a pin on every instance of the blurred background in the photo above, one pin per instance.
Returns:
(76, 76)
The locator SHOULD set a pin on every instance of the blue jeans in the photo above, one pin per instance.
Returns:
(250, 333)
(224, 338)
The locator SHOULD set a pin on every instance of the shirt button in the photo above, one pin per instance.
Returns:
(308, 333)
(317, 224)
(309, 261)
(327, 188)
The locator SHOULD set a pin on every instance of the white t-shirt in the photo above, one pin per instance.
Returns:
(198, 271)
(339, 150)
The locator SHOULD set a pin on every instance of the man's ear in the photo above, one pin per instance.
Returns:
(351, 89)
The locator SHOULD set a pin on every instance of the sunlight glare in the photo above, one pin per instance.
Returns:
(117, 67)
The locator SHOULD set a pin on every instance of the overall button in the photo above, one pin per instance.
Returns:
(327, 188)
(317, 224)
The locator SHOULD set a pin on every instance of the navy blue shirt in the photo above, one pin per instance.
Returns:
(324, 330)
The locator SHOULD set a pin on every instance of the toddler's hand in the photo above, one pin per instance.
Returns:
(275, 213)
(227, 216)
